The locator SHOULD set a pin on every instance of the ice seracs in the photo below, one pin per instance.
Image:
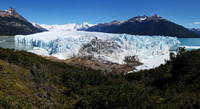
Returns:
(150, 50)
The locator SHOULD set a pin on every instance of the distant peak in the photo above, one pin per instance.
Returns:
(138, 18)
(116, 22)
(155, 17)
(11, 10)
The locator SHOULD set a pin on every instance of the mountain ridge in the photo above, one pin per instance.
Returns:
(145, 25)
(195, 30)
(12, 23)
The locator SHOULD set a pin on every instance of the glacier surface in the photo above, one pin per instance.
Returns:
(150, 50)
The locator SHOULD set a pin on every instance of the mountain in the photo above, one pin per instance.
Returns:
(12, 23)
(195, 30)
(66, 27)
(145, 25)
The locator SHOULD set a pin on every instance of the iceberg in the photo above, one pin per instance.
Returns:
(150, 50)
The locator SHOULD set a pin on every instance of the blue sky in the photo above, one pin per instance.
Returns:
(184, 12)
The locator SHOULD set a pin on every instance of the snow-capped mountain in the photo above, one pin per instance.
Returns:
(151, 50)
(66, 27)
(12, 23)
(145, 25)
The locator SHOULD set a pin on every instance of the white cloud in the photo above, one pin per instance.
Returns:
(196, 23)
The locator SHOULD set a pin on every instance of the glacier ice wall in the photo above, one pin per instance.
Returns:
(151, 50)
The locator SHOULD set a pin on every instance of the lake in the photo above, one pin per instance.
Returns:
(190, 43)
(9, 42)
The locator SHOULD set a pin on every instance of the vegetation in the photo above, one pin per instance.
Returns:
(30, 81)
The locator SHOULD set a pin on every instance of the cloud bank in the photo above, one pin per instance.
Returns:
(196, 23)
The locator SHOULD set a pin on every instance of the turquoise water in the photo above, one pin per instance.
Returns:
(189, 41)
(9, 42)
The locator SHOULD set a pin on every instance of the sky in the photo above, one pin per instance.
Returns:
(183, 12)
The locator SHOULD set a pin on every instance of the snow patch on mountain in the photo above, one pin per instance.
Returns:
(150, 50)
(66, 27)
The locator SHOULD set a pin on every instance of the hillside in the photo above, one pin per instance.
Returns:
(12, 23)
(30, 81)
(145, 25)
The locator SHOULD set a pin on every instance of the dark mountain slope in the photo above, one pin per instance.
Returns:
(145, 25)
(12, 23)
(195, 30)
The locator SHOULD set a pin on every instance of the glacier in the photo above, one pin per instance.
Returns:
(65, 27)
(150, 50)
